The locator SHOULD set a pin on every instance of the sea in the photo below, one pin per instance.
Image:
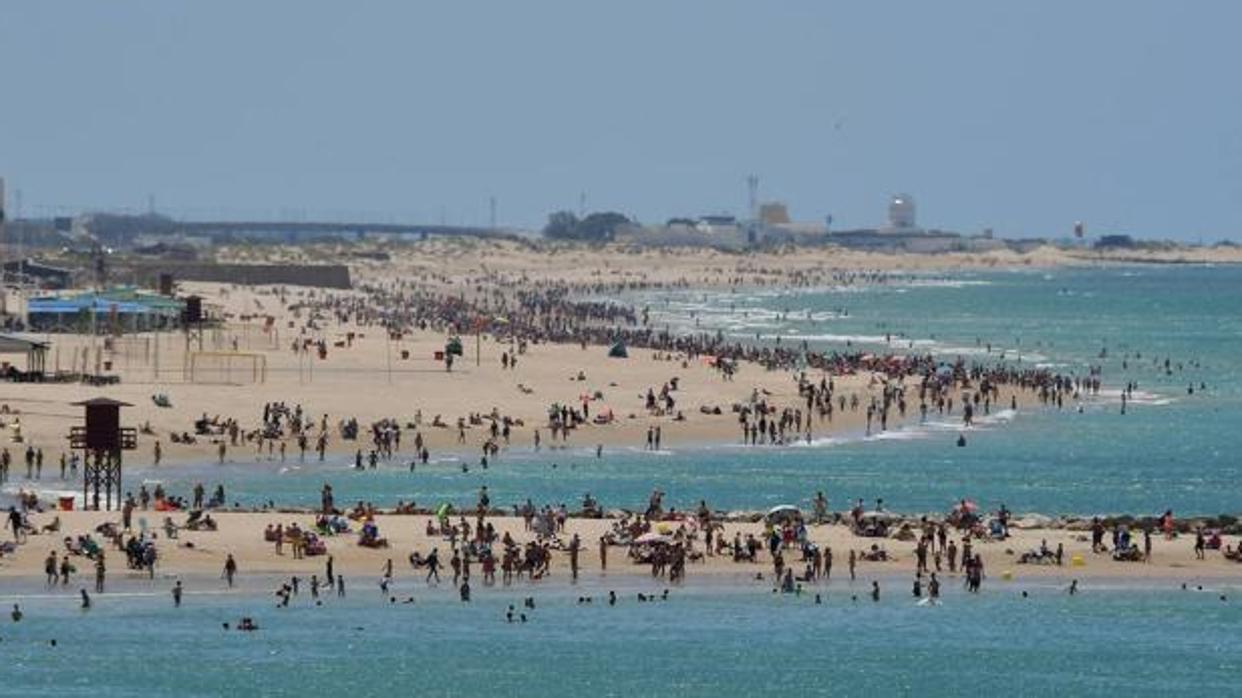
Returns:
(702, 641)
(1172, 331)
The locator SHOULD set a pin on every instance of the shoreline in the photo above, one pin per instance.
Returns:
(241, 534)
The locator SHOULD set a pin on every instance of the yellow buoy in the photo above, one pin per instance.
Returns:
(1077, 561)
(1007, 575)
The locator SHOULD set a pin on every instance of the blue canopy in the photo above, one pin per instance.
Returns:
(73, 306)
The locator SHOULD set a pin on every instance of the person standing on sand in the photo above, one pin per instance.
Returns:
(821, 507)
(433, 565)
(603, 553)
(101, 573)
(230, 569)
(853, 562)
(330, 577)
(221, 451)
(176, 594)
(15, 523)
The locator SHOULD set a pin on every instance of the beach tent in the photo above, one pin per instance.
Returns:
(784, 512)
(453, 346)
(618, 351)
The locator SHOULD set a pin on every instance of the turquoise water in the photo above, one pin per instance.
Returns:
(701, 642)
(1170, 450)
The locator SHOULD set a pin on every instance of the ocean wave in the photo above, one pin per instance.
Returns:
(1137, 397)
(941, 283)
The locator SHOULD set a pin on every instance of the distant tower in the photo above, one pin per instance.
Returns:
(3, 243)
(752, 189)
(901, 212)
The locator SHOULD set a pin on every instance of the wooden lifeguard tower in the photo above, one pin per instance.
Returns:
(102, 440)
(192, 322)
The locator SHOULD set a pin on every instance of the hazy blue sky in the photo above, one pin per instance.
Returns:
(1019, 116)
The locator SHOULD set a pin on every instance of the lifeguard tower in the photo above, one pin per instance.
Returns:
(102, 440)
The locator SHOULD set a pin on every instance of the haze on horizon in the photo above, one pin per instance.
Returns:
(1023, 118)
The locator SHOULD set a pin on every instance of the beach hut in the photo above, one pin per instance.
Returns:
(618, 351)
(36, 357)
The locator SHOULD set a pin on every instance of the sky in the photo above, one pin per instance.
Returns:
(1023, 117)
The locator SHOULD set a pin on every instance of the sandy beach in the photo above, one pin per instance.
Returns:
(201, 554)
(372, 377)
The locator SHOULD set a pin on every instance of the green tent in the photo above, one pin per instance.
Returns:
(618, 351)
(453, 346)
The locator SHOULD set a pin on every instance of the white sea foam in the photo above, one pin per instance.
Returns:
(1137, 397)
